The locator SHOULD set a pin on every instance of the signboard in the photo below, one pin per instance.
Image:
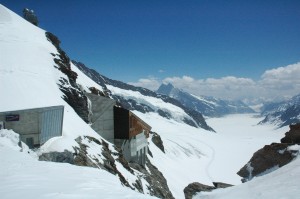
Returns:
(11, 118)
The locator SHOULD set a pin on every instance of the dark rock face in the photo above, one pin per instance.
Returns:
(156, 139)
(158, 183)
(72, 93)
(270, 156)
(194, 188)
(293, 136)
(64, 157)
(96, 91)
(221, 185)
(197, 187)
(82, 159)
(63, 61)
(77, 100)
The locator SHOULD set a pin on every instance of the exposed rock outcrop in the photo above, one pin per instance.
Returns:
(82, 158)
(77, 100)
(96, 91)
(292, 136)
(266, 159)
(194, 188)
(63, 157)
(273, 156)
(197, 187)
(73, 95)
(157, 183)
(221, 185)
(156, 139)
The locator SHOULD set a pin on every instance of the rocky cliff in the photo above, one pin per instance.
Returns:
(273, 156)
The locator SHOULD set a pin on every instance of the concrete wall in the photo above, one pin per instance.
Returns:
(31, 122)
(27, 126)
(102, 118)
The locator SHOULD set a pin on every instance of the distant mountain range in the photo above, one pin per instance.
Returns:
(282, 113)
(208, 106)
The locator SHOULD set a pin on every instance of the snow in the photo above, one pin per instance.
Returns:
(23, 176)
(155, 103)
(295, 147)
(84, 80)
(196, 155)
(205, 100)
(282, 184)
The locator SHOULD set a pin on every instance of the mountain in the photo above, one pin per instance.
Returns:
(282, 113)
(208, 106)
(36, 72)
(145, 100)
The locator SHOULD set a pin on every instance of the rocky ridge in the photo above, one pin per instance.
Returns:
(72, 92)
(196, 187)
(272, 156)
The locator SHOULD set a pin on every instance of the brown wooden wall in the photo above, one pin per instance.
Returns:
(136, 126)
(128, 125)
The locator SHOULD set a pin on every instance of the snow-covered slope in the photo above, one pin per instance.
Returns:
(208, 106)
(207, 157)
(282, 183)
(28, 77)
(282, 113)
(23, 176)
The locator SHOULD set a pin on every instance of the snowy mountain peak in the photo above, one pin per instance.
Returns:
(208, 106)
(165, 88)
(282, 113)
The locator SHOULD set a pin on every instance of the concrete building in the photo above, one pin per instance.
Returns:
(35, 126)
(120, 127)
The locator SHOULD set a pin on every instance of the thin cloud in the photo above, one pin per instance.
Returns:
(150, 83)
(276, 83)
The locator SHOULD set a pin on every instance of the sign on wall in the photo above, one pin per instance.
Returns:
(11, 118)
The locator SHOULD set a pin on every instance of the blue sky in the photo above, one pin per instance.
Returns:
(134, 40)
